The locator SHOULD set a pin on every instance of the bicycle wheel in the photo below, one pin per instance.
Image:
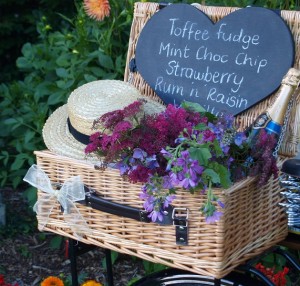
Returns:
(179, 277)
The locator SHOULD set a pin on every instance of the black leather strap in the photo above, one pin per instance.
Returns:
(180, 220)
(104, 205)
(96, 202)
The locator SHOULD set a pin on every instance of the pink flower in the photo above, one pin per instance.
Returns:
(208, 136)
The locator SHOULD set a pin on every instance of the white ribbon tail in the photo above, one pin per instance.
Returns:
(76, 221)
(38, 178)
(43, 208)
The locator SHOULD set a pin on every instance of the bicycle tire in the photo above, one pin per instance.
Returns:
(175, 277)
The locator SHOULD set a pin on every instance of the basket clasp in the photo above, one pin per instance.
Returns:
(180, 218)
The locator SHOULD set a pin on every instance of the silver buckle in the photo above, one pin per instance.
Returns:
(180, 217)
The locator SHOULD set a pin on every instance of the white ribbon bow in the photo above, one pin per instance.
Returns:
(71, 191)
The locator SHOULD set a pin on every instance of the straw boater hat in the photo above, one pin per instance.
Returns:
(67, 130)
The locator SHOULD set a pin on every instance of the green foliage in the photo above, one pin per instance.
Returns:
(151, 267)
(17, 26)
(56, 242)
(24, 251)
(80, 52)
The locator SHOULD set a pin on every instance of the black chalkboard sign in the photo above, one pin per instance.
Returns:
(226, 67)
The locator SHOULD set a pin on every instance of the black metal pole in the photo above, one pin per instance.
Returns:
(288, 256)
(73, 259)
(109, 270)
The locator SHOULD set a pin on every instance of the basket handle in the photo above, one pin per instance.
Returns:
(92, 199)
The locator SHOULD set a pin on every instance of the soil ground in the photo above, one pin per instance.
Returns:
(27, 256)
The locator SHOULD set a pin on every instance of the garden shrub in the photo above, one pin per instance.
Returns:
(58, 63)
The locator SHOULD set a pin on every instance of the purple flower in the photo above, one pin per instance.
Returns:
(186, 183)
(225, 148)
(154, 215)
(183, 160)
(228, 120)
(167, 182)
(173, 179)
(214, 218)
(166, 154)
(221, 204)
(196, 169)
(168, 200)
(240, 137)
(151, 162)
(138, 153)
(186, 172)
(179, 140)
(149, 202)
(123, 168)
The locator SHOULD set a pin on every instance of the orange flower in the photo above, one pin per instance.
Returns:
(91, 283)
(97, 9)
(52, 281)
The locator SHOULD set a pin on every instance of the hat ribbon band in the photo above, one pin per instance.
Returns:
(80, 137)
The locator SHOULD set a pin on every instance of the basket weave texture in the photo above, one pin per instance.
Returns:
(252, 221)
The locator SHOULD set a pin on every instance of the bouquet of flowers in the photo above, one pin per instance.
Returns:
(181, 147)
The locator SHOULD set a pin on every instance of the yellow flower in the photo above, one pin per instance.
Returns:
(97, 9)
(91, 283)
(52, 281)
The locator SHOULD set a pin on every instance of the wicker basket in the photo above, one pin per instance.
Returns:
(252, 220)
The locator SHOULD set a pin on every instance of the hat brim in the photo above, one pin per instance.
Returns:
(59, 140)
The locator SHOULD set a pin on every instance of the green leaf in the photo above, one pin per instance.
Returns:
(63, 61)
(19, 160)
(218, 149)
(224, 176)
(62, 72)
(56, 242)
(28, 136)
(202, 154)
(23, 63)
(201, 127)
(16, 181)
(214, 177)
(55, 98)
(27, 50)
(89, 77)
(18, 163)
(151, 267)
(106, 61)
(4, 156)
(30, 195)
(3, 177)
(98, 72)
(64, 84)
(193, 106)
(10, 121)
